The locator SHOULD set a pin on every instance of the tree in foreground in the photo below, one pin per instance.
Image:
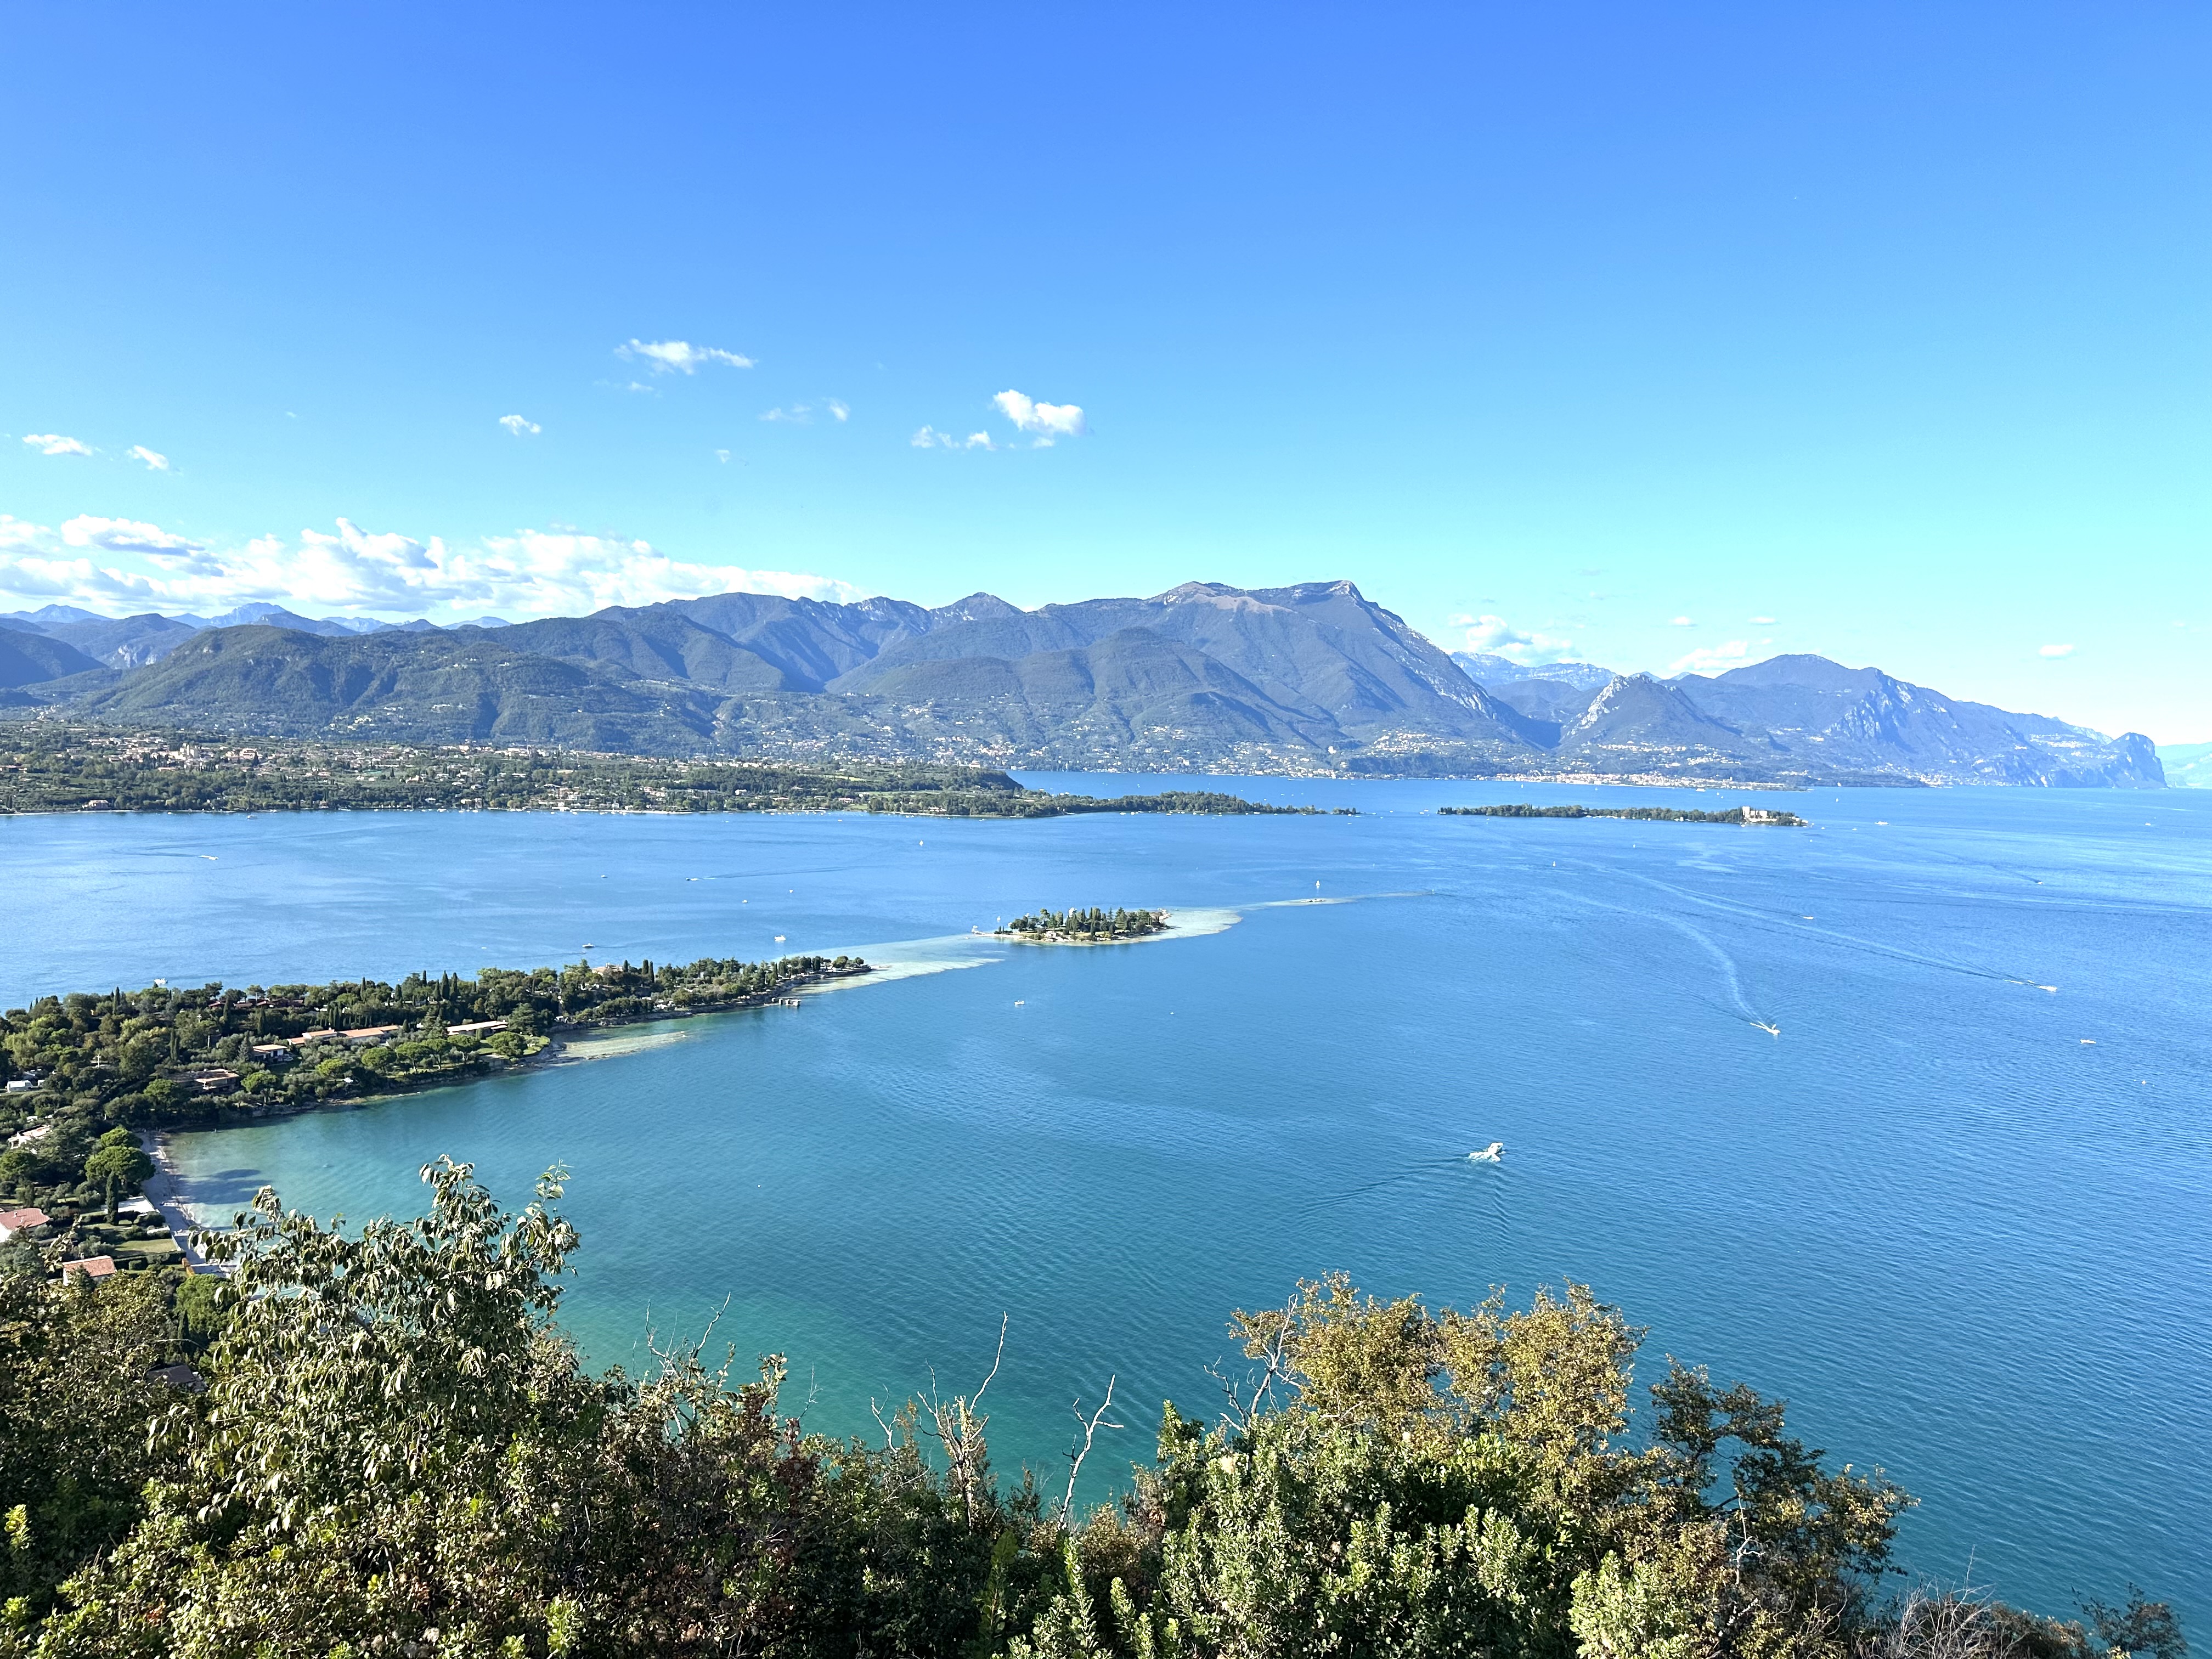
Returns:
(399, 1453)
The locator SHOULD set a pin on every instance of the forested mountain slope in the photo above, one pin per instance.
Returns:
(1312, 678)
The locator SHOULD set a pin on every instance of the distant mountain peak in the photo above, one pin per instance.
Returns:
(1203, 593)
(977, 607)
(56, 613)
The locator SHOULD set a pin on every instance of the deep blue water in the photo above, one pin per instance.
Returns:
(1963, 1224)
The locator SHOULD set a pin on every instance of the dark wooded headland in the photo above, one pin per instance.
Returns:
(78, 1064)
(50, 767)
(1644, 814)
(1091, 927)
(398, 1450)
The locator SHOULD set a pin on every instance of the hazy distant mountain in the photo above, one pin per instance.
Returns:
(127, 642)
(28, 658)
(1486, 670)
(275, 615)
(2188, 765)
(54, 613)
(1858, 717)
(1311, 678)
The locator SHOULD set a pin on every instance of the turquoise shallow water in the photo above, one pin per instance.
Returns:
(1964, 1242)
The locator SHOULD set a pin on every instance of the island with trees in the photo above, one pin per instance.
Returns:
(380, 1440)
(1091, 927)
(81, 1070)
(1753, 815)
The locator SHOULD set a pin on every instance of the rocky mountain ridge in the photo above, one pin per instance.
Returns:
(1315, 678)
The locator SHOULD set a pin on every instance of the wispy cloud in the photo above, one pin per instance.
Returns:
(1709, 659)
(521, 426)
(930, 438)
(1494, 636)
(803, 414)
(1762, 622)
(1683, 622)
(52, 443)
(1046, 421)
(2056, 651)
(154, 459)
(119, 564)
(680, 356)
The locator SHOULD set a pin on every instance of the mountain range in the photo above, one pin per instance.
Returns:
(1311, 678)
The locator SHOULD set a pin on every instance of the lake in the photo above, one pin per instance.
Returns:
(1961, 1222)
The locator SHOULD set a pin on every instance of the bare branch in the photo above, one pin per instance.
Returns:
(995, 1359)
(1090, 1428)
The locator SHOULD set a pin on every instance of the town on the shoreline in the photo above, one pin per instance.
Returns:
(1753, 815)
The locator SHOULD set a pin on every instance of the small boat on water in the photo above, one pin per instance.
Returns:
(1493, 1153)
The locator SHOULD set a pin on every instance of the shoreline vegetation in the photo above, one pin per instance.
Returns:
(1091, 927)
(86, 1065)
(1739, 815)
(382, 1440)
(47, 766)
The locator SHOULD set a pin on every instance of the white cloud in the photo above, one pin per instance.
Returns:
(154, 460)
(1762, 622)
(519, 426)
(2056, 651)
(930, 438)
(1708, 658)
(1493, 636)
(529, 573)
(723, 456)
(680, 356)
(126, 536)
(52, 443)
(1046, 421)
(1682, 622)
(838, 410)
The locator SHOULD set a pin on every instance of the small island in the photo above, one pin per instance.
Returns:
(1091, 927)
(1642, 814)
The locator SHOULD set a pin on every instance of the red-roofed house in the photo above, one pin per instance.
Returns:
(93, 1268)
(20, 1221)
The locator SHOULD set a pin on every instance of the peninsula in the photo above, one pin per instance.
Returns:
(77, 1066)
(52, 765)
(1091, 927)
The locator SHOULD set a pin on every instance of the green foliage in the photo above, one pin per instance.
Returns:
(118, 1164)
(199, 1310)
(1090, 926)
(124, 1060)
(1031, 803)
(75, 1401)
(399, 1452)
(51, 764)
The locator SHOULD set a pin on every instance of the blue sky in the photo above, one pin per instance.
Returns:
(1619, 327)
